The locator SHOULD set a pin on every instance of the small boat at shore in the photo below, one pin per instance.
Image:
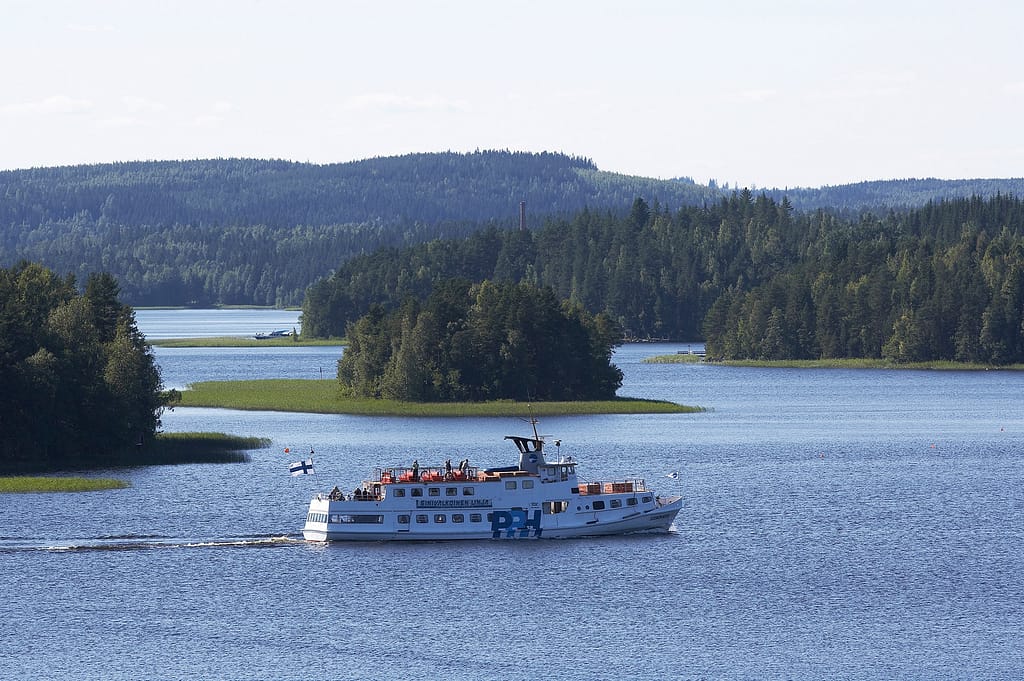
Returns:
(280, 333)
(534, 499)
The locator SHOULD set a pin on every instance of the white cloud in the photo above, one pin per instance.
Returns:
(215, 117)
(754, 95)
(395, 103)
(56, 105)
(136, 104)
(90, 28)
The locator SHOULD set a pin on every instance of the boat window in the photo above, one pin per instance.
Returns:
(527, 484)
(474, 517)
(435, 491)
(647, 500)
(375, 519)
(458, 518)
(631, 501)
(440, 517)
(403, 520)
(616, 503)
(422, 518)
(556, 506)
(451, 491)
(490, 517)
(399, 492)
(510, 484)
(468, 491)
(417, 491)
(599, 505)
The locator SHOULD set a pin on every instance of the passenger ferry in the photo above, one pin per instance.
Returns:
(536, 499)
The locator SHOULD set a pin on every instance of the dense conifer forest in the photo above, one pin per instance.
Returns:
(240, 231)
(753, 276)
(79, 381)
(258, 232)
(482, 342)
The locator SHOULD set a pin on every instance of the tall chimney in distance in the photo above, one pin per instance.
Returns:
(522, 216)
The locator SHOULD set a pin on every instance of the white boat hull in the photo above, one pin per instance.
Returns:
(658, 518)
(536, 499)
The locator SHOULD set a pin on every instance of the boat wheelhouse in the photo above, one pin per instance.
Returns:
(534, 499)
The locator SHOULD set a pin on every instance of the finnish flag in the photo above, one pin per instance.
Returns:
(304, 467)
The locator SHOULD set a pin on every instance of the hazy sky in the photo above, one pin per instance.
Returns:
(765, 93)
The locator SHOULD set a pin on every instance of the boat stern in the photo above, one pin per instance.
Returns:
(315, 528)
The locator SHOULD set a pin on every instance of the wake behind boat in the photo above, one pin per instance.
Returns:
(534, 499)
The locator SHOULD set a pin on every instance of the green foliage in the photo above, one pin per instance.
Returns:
(79, 382)
(943, 282)
(481, 342)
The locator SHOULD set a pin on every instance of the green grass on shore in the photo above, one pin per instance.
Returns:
(837, 364)
(673, 359)
(243, 342)
(21, 484)
(324, 397)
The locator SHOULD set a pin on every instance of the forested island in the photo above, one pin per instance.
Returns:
(80, 385)
(482, 342)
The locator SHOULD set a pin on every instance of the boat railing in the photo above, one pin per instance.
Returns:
(392, 475)
(621, 487)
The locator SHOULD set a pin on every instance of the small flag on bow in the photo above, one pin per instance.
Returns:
(304, 467)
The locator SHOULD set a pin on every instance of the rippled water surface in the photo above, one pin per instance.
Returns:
(837, 524)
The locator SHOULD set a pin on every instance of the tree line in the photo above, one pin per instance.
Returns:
(245, 231)
(80, 384)
(481, 341)
(258, 232)
(753, 276)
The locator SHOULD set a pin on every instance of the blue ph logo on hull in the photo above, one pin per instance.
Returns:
(514, 521)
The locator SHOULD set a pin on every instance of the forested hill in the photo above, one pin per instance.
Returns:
(894, 194)
(428, 188)
(243, 231)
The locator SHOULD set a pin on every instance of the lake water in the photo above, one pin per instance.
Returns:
(837, 524)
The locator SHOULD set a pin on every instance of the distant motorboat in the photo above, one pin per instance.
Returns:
(280, 333)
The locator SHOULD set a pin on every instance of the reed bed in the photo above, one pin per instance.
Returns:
(22, 484)
(178, 448)
(325, 397)
(673, 359)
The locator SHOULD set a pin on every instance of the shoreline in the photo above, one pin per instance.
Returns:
(845, 363)
(244, 342)
(324, 397)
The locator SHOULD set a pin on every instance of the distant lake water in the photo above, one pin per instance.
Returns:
(847, 524)
(157, 323)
